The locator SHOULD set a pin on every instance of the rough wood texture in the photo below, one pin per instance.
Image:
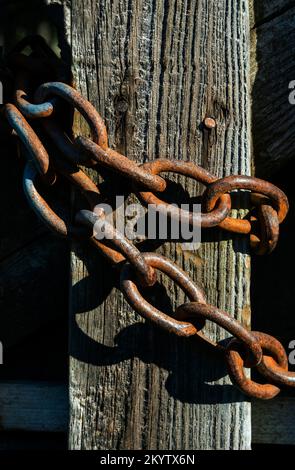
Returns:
(33, 406)
(272, 69)
(154, 70)
(273, 422)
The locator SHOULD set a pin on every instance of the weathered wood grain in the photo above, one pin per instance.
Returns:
(154, 70)
(273, 422)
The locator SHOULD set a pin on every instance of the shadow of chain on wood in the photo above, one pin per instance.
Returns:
(178, 356)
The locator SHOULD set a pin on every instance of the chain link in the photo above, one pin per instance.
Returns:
(209, 219)
(269, 207)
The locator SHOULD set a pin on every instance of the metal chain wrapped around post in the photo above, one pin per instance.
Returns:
(138, 269)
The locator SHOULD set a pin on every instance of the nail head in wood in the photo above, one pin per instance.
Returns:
(209, 123)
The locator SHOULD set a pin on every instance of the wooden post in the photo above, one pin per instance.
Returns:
(155, 70)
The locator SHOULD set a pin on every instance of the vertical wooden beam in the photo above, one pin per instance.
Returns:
(154, 70)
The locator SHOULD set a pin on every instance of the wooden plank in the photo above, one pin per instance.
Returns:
(33, 406)
(170, 64)
(43, 407)
(273, 422)
(272, 70)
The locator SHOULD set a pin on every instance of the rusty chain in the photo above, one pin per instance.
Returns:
(138, 270)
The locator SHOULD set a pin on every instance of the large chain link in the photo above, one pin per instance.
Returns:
(138, 270)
